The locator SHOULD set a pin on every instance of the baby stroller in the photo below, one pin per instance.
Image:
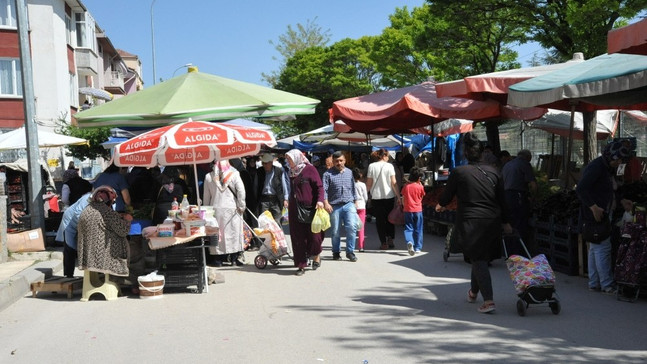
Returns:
(274, 244)
(533, 278)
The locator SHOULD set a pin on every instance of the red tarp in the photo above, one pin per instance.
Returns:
(629, 39)
(407, 108)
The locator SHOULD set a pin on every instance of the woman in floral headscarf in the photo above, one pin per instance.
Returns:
(102, 244)
(225, 191)
(307, 188)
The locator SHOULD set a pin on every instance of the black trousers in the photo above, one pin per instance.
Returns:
(69, 260)
(381, 209)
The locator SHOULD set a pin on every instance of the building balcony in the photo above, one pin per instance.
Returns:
(114, 82)
(86, 61)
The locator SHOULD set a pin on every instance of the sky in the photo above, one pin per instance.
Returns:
(232, 38)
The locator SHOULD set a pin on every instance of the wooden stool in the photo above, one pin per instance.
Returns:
(57, 284)
(92, 284)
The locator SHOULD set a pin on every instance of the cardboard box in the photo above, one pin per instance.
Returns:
(26, 241)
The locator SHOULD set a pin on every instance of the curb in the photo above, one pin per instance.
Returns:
(16, 287)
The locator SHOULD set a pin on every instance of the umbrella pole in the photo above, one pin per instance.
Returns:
(195, 178)
(570, 147)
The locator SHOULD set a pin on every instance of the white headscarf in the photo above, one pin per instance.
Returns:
(300, 161)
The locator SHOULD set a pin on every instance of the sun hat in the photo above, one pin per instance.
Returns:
(267, 158)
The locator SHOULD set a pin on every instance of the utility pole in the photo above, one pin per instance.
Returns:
(31, 129)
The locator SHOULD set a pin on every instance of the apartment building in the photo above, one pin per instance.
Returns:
(72, 61)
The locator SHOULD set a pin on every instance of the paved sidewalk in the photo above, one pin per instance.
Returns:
(388, 307)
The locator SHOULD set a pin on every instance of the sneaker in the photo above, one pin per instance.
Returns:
(594, 289)
(410, 248)
(351, 257)
(361, 250)
(336, 256)
(487, 307)
(471, 297)
(609, 290)
(418, 251)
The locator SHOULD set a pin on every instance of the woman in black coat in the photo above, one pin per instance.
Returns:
(479, 218)
(168, 192)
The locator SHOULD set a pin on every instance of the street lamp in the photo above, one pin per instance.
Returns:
(153, 41)
(183, 66)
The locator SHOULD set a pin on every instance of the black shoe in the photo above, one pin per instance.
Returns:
(300, 272)
(239, 263)
(336, 256)
(351, 257)
(315, 265)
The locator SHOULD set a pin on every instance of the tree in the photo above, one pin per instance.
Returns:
(294, 40)
(94, 136)
(329, 74)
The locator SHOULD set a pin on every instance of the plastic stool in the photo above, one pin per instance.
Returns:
(92, 284)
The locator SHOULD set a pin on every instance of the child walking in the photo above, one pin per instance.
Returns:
(362, 197)
(412, 194)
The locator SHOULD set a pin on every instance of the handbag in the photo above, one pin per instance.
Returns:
(305, 213)
(596, 232)
(396, 216)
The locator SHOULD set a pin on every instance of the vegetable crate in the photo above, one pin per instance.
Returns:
(559, 243)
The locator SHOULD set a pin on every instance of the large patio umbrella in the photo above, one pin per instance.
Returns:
(192, 142)
(607, 81)
(494, 86)
(195, 95)
(17, 139)
(402, 109)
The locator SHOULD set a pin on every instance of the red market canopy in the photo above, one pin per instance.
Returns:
(407, 108)
(629, 39)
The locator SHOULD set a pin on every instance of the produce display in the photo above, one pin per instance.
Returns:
(432, 196)
(563, 205)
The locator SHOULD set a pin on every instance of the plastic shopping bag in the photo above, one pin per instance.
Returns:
(284, 216)
(321, 221)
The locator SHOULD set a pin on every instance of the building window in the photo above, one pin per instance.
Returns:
(85, 35)
(7, 13)
(10, 77)
(69, 28)
(74, 90)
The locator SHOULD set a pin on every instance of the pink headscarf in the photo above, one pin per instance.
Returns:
(300, 161)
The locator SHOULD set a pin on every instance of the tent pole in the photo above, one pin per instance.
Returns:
(570, 146)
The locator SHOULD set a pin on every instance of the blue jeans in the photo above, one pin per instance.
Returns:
(600, 265)
(347, 214)
(413, 225)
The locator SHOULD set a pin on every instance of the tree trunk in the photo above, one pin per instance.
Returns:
(590, 138)
(492, 134)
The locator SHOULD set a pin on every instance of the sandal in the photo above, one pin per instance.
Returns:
(487, 307)
(471, 297)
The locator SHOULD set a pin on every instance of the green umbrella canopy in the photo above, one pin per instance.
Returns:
(195, 95)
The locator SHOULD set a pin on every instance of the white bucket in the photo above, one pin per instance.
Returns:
(149, 289)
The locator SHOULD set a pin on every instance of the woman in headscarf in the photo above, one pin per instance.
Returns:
(480, 217)
(225, 191)
(102, 244)
(307, 189)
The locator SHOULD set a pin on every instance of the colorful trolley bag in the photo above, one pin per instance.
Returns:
(533, 278)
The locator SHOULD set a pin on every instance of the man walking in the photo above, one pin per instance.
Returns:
(339, 201)
(270, 188)
(520, 188)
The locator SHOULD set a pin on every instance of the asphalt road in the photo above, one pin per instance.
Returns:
(388, 307)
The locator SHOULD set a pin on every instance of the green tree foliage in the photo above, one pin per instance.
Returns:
(293, 40)
(329, 74)
(94, 136)
(469, 38)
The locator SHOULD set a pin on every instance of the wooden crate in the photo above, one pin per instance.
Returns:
(58, 284)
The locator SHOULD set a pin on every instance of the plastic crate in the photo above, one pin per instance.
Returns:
(183, 278)
(179, 255)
